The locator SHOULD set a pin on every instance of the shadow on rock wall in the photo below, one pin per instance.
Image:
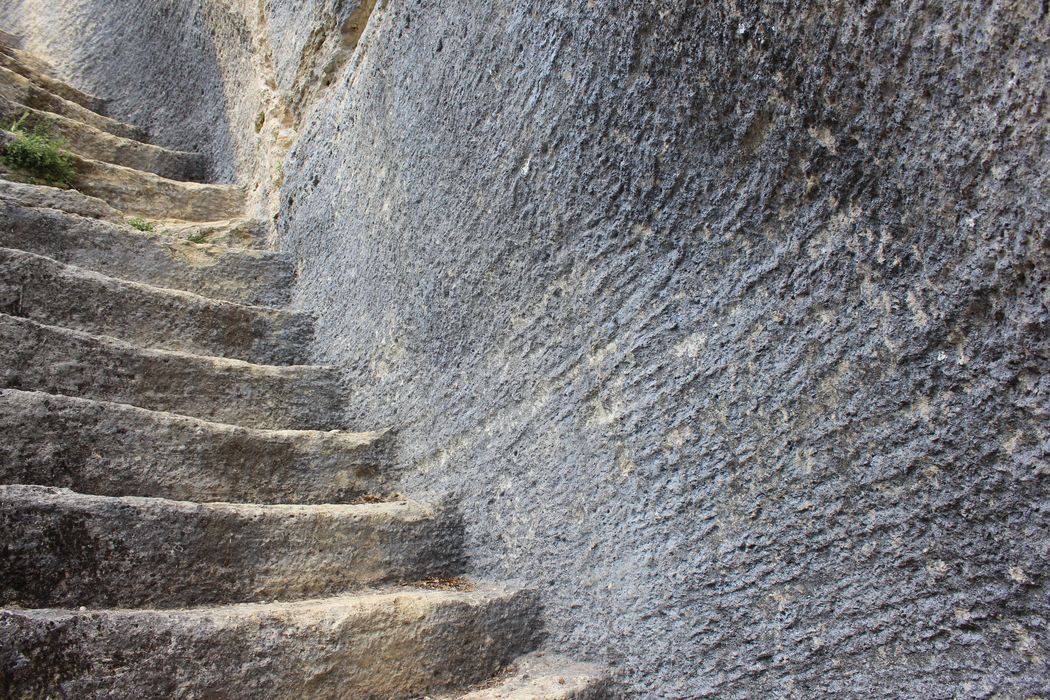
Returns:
(727, 325)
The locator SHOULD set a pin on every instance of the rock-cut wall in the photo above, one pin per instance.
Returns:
(726, 322)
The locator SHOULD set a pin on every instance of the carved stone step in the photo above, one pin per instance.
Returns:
(32, 68)
(36, 357)
(17, 88)
(541, 676)
(65, 549)
(113, 449)
(377, 646)
(241, 276)
(90, 142)
(50, 292)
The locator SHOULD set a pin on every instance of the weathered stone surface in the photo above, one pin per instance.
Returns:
(542, 676)
(35, 357)
(65, 549)
(113, 449)
(90, 142)
(69, 201)
(16, 88)
(46, 291)
(727, 321)
(381, 646)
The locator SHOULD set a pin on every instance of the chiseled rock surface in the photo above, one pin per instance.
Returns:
(49, 292)
(65, 549)
(37, 357)
(381, 646)
(728, 322)
(113, 449)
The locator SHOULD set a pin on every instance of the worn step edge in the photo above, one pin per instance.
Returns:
(38, 357)
(385, 645)
(241, 275)
(24, 91)
(142, 194)
(63, 548)
(53, 293)
(544, 676)
(26, 65)
(113, 449)
(91, 142)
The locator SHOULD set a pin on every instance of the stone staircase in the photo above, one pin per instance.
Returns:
(181, 514)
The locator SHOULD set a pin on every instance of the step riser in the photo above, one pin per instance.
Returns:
(405, 648)
(89, 142)
(66, 550)
(241, 276)
(18, 89)
(34, 357)
(116, 450)
(48, 292)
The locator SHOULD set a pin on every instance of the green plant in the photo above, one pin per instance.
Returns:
(40, 156)
(260, 121)
(199, 237)
(142, 225)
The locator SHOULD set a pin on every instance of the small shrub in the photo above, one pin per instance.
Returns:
(199, 237)
(40, 156)
(142, 225)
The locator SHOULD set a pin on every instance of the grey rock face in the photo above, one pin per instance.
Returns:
(727, 322)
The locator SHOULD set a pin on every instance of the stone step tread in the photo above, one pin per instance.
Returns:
(39, 357)
(89, 141)
(115, 449)
(140, 194)
(50, 292)
(544, 676)
(32, 68)
(244, 276)
(20, 89)
(381, 645)
(63, 548)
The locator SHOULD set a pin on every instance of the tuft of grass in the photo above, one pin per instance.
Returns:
(142, 225)
(199, 237)
(37, 154)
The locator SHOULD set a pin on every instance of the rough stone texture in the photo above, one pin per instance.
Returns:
(241, 276)
(727, 322)
(64, 549)
(36, 357)
(40, 73)
(35, 287)
(383, 646)
(113, 449)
